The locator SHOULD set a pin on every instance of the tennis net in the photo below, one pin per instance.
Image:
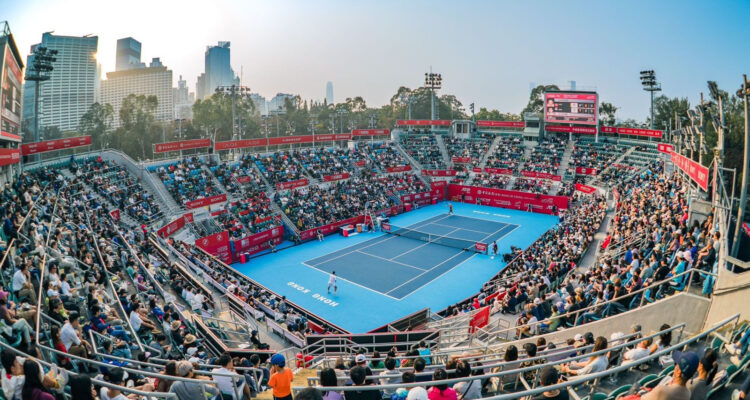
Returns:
(463, 244)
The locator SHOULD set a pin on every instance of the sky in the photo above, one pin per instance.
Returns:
(488, 52)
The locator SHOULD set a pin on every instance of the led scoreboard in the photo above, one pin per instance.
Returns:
(571, 108)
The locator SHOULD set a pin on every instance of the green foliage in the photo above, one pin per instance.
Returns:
(495, 115)
(97, 122)
(536, 99)
(607, 113)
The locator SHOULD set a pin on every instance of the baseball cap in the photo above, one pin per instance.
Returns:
(360, 358)
(549, 376)
(578, 337)
(278, 359)
(417, 393)
(184, 368)
(687, 361)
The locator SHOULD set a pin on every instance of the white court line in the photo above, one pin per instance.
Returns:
(517, 226)
(481, 212)
(463, 229)
(346, 280)
(425, 222)
(453, 256)
(501, 215)
(437, 277)
(426, 243)
(353, 251)
(390, 260)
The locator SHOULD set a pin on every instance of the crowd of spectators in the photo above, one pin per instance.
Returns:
(547, 155)
(472, 148)
(424, 149)
(321, 162)
(278, 167)
(187, 180)
(383, 154)
(115, 184)
(239, 178)
(497, 181)
(508, 154)
(540, 186)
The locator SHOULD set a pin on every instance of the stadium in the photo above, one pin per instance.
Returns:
(558, 253)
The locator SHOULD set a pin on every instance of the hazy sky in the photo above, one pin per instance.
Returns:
(487, 51)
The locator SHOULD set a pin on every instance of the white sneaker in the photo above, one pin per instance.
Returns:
(730, 348)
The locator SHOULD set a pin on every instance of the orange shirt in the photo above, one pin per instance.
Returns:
(281, 382)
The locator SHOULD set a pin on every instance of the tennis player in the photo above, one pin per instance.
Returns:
(450, 208)
(494, 249)
(332, 283)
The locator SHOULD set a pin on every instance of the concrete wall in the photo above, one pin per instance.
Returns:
(683, 307)
(731, 295)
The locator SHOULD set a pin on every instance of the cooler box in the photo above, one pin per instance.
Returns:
(347, 230)
(243, 259)
(359, 228)
(434, 200)
(407, 207)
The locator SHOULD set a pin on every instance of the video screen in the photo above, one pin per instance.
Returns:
(571, 108)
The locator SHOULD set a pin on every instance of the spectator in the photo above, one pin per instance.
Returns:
(685, 366)
(358, 375)
(707, 368)
(281, 378)
(328, 379)
(441, 391)
(467, 390)
(548, 377)
(190, 390)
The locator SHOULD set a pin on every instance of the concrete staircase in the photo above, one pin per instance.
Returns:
(288, 221)
(565, 161)
(619, 160)
(443, 151)
(490, 152)
(218, 184)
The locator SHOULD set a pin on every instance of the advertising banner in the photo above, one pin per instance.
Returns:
(115, 214)
(336, 177)
(371, 132)
(182, 145)
(570, 129)
(419, 198)
(9, 156)
(332, 137)
(586, 171)
(480, 319)
(334, 227)
(206, 201)
(585, 189)
(290, 139)
(239, 144)
(512, 199)
(216, 245)
(438, 172)
(53, 145)
(652, 133)
(665, 148)
(423, 122)
(188, 217)
(461, 160)
(10, 98)
(501, 124)
(258, 242)
(541, 175)
(400, 168)
(696, 172)
(480, 247)
(499, 171)
(360, 163)
(244, 179)
(291, 184)
(172, 227)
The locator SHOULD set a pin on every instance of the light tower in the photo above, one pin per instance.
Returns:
(40, 71)
(433, 81)
(648, 80)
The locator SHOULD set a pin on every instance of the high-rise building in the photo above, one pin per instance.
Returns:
(329, 92)
(183, 100)
(260, 103)
(128, 54)
(277, 102)
(200, 87)
(156, 80)
(73, 85)
(218, 71)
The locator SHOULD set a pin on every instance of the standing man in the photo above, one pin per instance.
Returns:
(494, 249)
(332, 283)
(450, 208)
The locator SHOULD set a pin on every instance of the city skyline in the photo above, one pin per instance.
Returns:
(487, 52)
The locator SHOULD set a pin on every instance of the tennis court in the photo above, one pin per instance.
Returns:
(398, 264)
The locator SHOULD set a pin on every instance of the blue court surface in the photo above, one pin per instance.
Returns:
(383, 277)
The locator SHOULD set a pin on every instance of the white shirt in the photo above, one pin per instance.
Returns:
(135, 320)
(13, 386)
(19, 279)
(66, 289)
(225, 383)
(635, 354)
(68, 336)
(332, 280)
(197, 301)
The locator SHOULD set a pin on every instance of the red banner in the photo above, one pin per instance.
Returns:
(182, 145)
(607, 129)
(696, 172)
(423, 122)
(746, 228)
(290, 139)
(258, 242)
(438, 184)
(334, 227)
(386, 226)
(480, 247)
(585, 189)
(332, 137)
(53, 145)
(501, 124)
(244, 179)
(422, 199)
(570, 129)
(400, 168)
(461, 160)
(336, 177)
(291, 184)
(438, 172)
(499, 171)
(652, 133)
(206, 201)
(188, 218)
(541, 175)
(665, 148)
(239, 144)
(217, 245)
(512, 199)
(480, 319)
(172, 227)
(360, 163)
(115, 214)
(371, 132)
(438, 189)
(9, 156)
(586, 171)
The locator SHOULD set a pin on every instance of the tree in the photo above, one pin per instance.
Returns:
(97, 122)
(137, 132)
(607, 113)
(665, 110)
(536, 99)
(213, 116)
(496, 115)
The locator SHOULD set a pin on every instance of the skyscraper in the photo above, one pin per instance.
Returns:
(128, 54)
(218, 71)
(329, 92)
(73, 85)
(183, 100)
(156, 80)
